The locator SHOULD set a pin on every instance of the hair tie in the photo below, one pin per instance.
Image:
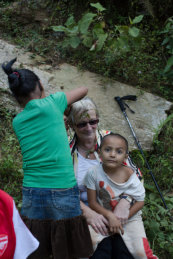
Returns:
(17, 74)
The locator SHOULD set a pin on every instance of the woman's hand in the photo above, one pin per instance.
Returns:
(114, 224)
(98, 222)
(121, 211)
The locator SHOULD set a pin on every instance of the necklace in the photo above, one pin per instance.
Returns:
(88, 152)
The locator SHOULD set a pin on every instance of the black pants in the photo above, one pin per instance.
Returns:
(112, 247)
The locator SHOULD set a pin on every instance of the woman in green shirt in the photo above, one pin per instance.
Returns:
(50, 205)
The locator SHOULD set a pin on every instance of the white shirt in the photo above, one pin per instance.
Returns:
(83, 165)
(106, 188)
(26, 243)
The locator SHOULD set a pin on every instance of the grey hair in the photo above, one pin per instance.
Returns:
(80, 107)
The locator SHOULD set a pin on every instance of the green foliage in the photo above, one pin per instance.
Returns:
(158, 224)
(90, 31)
(157, 220)
(11, 174)
(160, 158)
(168, 43)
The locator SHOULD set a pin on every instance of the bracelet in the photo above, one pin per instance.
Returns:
(127, 198)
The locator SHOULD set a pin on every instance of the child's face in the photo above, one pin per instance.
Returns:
(113, 152)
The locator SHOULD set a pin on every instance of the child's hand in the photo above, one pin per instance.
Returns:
(114, 224)
(121, 211)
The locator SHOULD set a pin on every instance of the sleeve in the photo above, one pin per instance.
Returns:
(136, 189)
(23, 236)
(90, 179)
(60, 100)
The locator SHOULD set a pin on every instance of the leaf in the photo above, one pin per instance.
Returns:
(85, 22)
(154, 226)
(101, 41)
(98, 6)
(123, 44)
(150, 187)
(166, 40)
(168, 65)
(87, 41)
(74, 42)
(66, 43)
(134, 32)
(93, 47)
(123, 29)
(59, 28)
(152, 196)
(164, 223)
(137, 19)
(73, 30)
(97, 30)
(131, 22)
(70, 21)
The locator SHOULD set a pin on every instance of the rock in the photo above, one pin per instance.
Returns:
(26, 12)
(150, 110)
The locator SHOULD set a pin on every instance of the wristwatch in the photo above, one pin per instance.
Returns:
(127, 198)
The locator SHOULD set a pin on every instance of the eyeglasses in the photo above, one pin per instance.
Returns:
(84, 124)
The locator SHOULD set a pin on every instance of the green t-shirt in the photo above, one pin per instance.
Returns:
(40, 129)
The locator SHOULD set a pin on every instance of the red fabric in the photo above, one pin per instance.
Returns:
(101, 184)
(7, 234)
(148, 251)
(113, 204)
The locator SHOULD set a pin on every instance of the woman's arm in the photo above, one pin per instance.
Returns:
(114, 223)
(97, 221)
(76, 94)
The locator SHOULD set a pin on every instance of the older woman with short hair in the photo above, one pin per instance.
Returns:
(83, 118)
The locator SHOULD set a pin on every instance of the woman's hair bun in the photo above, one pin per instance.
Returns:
(13, 76)
(7, 67)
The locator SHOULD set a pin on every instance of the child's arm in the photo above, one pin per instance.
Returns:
(138, 205)
(114, 224)
(122, 211)
(76, 94)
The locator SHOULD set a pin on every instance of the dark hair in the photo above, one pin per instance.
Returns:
(117, 136)
(21, 81)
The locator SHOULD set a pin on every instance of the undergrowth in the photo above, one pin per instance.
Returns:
(11, 174)
(158, 220)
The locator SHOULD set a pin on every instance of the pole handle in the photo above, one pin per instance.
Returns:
(129, 97)
(120, 102)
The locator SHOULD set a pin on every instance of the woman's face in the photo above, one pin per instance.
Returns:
(85, 125)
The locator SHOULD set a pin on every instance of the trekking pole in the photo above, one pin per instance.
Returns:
(122, 104)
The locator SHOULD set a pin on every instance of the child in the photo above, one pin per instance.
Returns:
(112, 180)
(16, 241)
(50, 204)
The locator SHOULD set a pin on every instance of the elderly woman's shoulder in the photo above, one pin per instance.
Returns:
(104, 132)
